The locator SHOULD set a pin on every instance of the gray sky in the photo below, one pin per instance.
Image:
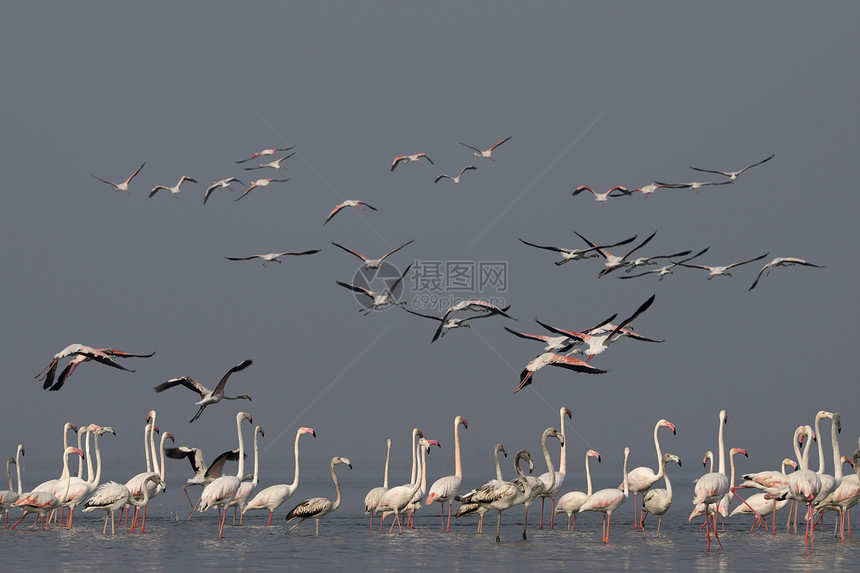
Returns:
(600, 95)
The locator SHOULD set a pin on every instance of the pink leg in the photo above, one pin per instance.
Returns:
(449, 516)
(542, 500)
(552, 513)
(19, 521)
(271, 512)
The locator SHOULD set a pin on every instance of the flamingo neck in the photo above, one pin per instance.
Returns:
(295, 483)
(415, 483)
(146, 432)
(414, 457)
(241, 473)
(336, 503)
(660, 463)
(423, 469)
(668, 483)
(256, 461)
(80, 460)
(9, 473)
(18, 471)
(152, 444)
(562, 460)
(722, 447)
(498, 467)
(804, 459)
(821, 464)
(66, 476)
(387, 456)
(95, 482)
(548, 459)
(797, 454)
(458, 469)
(837, 458)
(161, 472)
(588, 475)
(89, 459)
(626, 488)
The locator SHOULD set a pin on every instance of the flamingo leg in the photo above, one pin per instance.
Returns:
(143, 526)
(525, 521)
(185, 489)
(551, 513)
(449, 516)
(499, 528)
(542, 500)
(193, 509)
(659, 523)
(317, 530)
(19, 521)
(221, 527)
(271, 512)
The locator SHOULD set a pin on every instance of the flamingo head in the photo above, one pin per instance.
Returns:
(105, 430)
(790, 462)
(568, 413)
(462, 420)
(501, 448)
(593, 454)
(156, 430)
(246, 416)
(169, 435)
(672, 458)
(20, 447)
(339, 460)
(734, 451)
(837, 421)
(417, 432)
(72, 427)
(723, 417)
(74, 450)
(259, 429)
(308, 431)
(150, 415)
(667, 424)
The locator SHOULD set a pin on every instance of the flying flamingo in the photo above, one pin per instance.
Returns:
(207, 396)
(608, 500)
(757, 504)
(349, 203)
(267, 152)
(81, 353)
(692, 186)
(221, 184)
(602, 197)
(664, 270)
(782, 262)
(220, 492)
(273, 496)
(641, 479)
(371, 500)
(8, 497)
(456, 179)
(732, 175)
(124, 185)
(175, 189)
(450, 323)
(415, 158)
(41, 502)
(613, 261)
(276, 164)
(372, 263)
(711, 487)
(246, 488)
(445, 489)
(551, 489)
(486, 154)
(203, 475)
(259, 183)
(473, 305)
(318, 507)
(648, 189)
(559, 344)
(571, 502)
(273, 257)
(721, 270)
(501, 495)
(378, 300)
(576, 254)
(469, 508)
(553, 359)
(658, 501)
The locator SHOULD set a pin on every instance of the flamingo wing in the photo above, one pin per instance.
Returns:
(356, 253)
(186, 381)
(219, 389)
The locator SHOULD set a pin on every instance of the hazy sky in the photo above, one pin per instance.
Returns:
(600, 95)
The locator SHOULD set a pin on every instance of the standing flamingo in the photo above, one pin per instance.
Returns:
(536, 485)
(469, 508)
(608, 500)
(845, 496)
(415, 503)
(139, 483)
(273, 496)
(757, 504)
(501, 495)
(445, 489)
(641, 479)
(246, 488)
(203, 475)
(829, 483)
(80, 490)
(397, 498)
(371, 500)
(803, 486)
(41, 502)
(220, 492)
(8, 497)
(711, 487)
(112, 496)
(551, 490)
(723, 506)
(571, 502)
(48, 485)
(318, 507)
(658, 501)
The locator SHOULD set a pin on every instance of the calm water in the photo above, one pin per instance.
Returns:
(173, 543)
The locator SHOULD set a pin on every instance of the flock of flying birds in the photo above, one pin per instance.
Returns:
(560, 346)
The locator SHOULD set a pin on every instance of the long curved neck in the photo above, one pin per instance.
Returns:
(423, 469)
(9, 473)
(458, 469)
(89, 458)
(804, 459)
(562, 460)
(80, 460)
(161, 472)
(821, 464)
(660, 463)
(522, 476)
(414, 458)
(797, 454)
(66, 429)
(626, 488)
(66, 476)
(588, 475)
(722, 448)
(387, 456)
(241, 473)
(666, 479)
(152, 443)
(498, 467)
(146, 431)
(837, 458)
(18, 471)
(416, 483)
(95, 481)
(336, 503)
(295, 483)
(547, 458)
(256, 461)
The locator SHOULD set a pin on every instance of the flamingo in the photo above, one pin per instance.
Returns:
(733, 175)
(47, 486)
(450, 323)
(273, 496)
(175, 189)
(276, 164)
(203, 475)
(41, 502)
(576, 254)
(553, 359)
(80, 490)
(804, 486)
(207, 396)
(220, 491)
(664, 270)
(81, 353)
(782, 262)
(551, 489)
(358, 204)
(641, 479)
(273, 257)
(397, 498)
(757, 504)
(722, 270)
(711, 487)
(415, 503)
(487, 153)
(259, 183)
(456, 179)
(602, 197)
(537, 485)
(112, 496)
(723, 506)
(371, 500)
(138, 486)
(372, 263)
(613, 261)
(416, 433)
(571, 502)
(845, 496)
(658, 501)
(8, 497)
(246, 488)
(318, 507)
(221, 184)
(560, 343)
(445, 489)
(608, 500)
(152, 486)
(650, 188)
(271, 151)
(501, 495)
(466, 509)
(473, 305)
(693, 185)
(829, 483)
(645, 261)
(415, 158)
(124, 185)
(378, 300)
